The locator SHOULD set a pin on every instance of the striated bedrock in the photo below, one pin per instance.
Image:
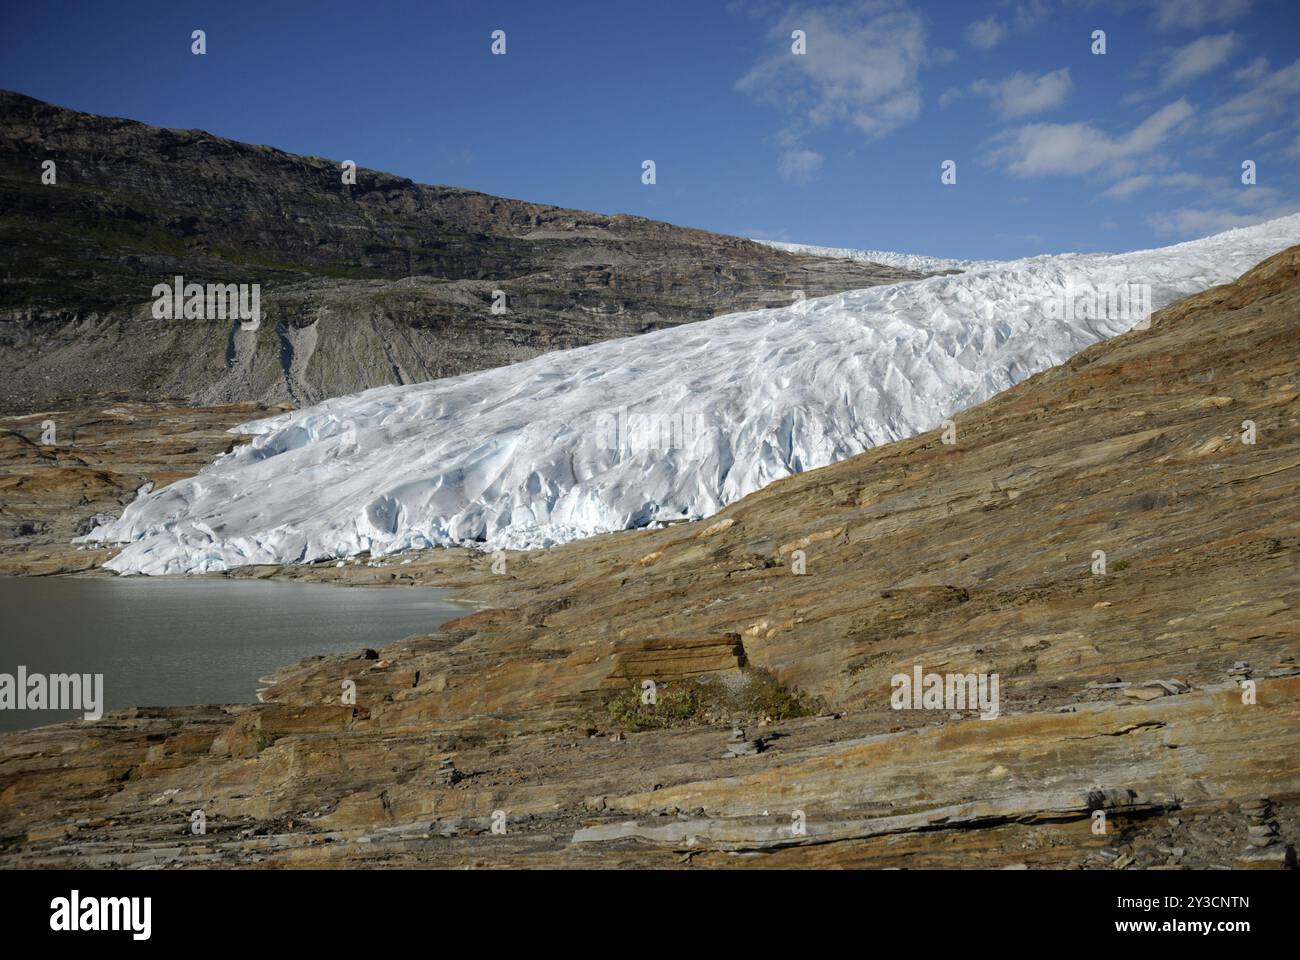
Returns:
(66, 469)
(1162, 693)
(395, 278)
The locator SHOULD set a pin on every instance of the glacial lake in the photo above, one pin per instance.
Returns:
(170, 642)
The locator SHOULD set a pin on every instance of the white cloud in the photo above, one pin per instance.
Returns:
(1222, 201)
(1031, 12)
(861, 67)
(1198, 58)
(1201, 222)
(987, 33)
(1132, 185)
(1252, 72)
(1194, 14)
(1274, 94)
(1023, 94)
(799, 166)
(1126, 188)
(1043, 149)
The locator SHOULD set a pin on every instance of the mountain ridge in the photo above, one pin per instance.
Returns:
(397, 279)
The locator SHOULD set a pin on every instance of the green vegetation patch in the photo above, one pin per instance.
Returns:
(694, 701)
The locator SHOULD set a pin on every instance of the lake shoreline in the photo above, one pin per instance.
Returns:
(188, 640)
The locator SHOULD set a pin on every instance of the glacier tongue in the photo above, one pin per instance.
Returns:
(904, 261)
(671, 424)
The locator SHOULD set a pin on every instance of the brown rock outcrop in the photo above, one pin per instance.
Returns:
(972, 558)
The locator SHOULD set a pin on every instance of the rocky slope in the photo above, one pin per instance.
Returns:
(65, 469)
(514, 736)
(385, 281)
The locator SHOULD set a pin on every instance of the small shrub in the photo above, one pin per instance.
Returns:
(765, 696)
(676, 704)
(755, 694)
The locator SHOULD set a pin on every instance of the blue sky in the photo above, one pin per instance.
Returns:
(1056, 148)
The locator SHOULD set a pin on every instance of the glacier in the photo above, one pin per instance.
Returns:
(659, 427)
(903, 261)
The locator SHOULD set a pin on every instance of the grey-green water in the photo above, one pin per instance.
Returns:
(173, 642)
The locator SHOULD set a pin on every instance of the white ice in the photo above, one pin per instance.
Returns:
(560, 447)
(903, 261)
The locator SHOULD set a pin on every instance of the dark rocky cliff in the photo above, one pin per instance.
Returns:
(379, 282)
